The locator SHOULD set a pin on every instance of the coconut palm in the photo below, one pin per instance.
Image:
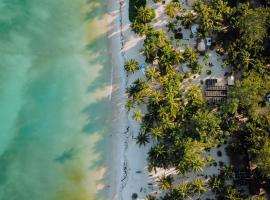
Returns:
(129, 105)
(188, 20)
(231, 194)
(198, 186)
(156, 133)
(150, 197)
(216, 184)
(137, 115)
(145, 14)
(197, 165)
(142, 138)
(166, 182)
(184, 190)
(131, 66)
(172, 9)
(227, 172)
(156, 97)
(170, 26)
(152, 73)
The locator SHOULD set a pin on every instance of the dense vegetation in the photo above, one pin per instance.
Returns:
(134, 5)
(179, 123)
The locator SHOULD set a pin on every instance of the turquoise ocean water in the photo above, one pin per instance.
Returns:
(54, 105)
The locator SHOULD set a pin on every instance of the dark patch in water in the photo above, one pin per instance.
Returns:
(66, 155)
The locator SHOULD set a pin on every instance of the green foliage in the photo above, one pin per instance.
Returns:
(137, 115)
(252, 25)
(188, 19)
(134, 196)
(141, 28)
(166, 182)
(182, 127)
(154, 41)
(145, 15)
(131, 66)
(134, 5)
(142, 138)
(260, 151)
(205, 123)
(208, 72)
(248, 93)
(212, 15)
(191, 58)
(172, 9)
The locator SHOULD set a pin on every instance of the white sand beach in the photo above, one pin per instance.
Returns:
(129, 165)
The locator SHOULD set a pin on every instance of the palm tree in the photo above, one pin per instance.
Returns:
(188, 20)
(182, 168)
(183, 190)
(137, 115)
(156, 133)
(131, 66)
(142, 138)
(150, 197)
(145, 14)
(166, 182)
(215, 183)
(197, 165)
(129, 105)
(170, 26)
(152, 73)
(198, 186)
(227, 172)
(231, 194)
(156, 97)
(172, 9)
(157, 155)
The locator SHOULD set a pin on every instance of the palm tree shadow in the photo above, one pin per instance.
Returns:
(96, 9)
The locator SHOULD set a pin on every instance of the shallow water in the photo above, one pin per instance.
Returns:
(54, 105)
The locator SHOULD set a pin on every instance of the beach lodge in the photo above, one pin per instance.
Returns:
(215, 93)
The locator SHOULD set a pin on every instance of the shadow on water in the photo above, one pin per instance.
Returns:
(99, 112)
(66, 155)
(95, 8)
(99, 47)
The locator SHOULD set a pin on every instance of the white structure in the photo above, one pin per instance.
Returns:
(231, 80)
(201, 46)
(194, 29)
(268, 97)
(208, 41)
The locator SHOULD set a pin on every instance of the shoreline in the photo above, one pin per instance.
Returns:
(117, 98)
(128, 157)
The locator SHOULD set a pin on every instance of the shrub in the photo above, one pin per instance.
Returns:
(187, 75)
(178, 35)
(221, 164)
(208, 72)
(134, 196)
(219, 153)
(178, 17)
